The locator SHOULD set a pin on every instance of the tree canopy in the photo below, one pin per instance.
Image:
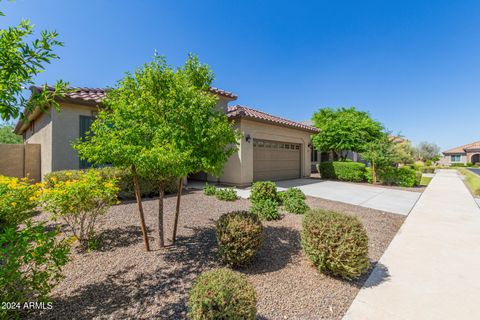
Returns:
(344, 129)
(20, 61)
(163, 123)
(7, 135)
(427, 151)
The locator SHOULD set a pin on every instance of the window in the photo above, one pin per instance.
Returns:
(314, 155)
(85, 123)
(455, 158)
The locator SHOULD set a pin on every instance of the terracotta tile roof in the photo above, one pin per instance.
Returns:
(95, 95)
(464, 148)
(239, 111)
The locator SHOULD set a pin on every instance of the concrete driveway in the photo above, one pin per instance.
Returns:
(385, 199)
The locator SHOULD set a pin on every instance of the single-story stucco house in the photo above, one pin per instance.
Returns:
(272, 148)
(462, 154)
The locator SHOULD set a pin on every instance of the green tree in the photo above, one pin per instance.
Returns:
(7, 135)
(20, 61)
(163, 123)
(405, 152)
(380, 153)
(427, 151)
(344, 129)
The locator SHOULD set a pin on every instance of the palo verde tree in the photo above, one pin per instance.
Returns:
(381, 153)
(21, 60)
(163, 123)
(344, 129)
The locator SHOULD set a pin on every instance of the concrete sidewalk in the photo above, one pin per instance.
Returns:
(431, 268)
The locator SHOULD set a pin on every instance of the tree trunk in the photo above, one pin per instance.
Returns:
(160, 214)
(177, 209)
(374, 173)
(138, 196)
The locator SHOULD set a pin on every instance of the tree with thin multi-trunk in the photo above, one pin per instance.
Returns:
(162, 123)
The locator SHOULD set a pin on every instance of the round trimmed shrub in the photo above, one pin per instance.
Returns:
(336, 243)
(263, 190)
(239, 236)
(222, 294)
(266, 209)
(295, 205)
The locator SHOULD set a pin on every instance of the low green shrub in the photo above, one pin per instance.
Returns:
(209, 190)
(295, 205)
(342, 170)
(469, 164)
(222, 294)
(336, 243)
(428, 163)
(403, 177)
(263, 190)
(31, 261)
(148, 187)
(226, 194)
(239, 236)
(457, 165)
(427, 169)
(293, 200)
(291, 193)
(265, 209)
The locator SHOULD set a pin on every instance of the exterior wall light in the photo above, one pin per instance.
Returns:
(248, 138)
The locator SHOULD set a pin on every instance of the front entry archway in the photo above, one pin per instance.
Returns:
(475, 158)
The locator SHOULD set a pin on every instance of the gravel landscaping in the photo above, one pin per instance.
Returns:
(122, 281)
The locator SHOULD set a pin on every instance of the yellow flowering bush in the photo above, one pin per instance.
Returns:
(80, 201)
(18, 199)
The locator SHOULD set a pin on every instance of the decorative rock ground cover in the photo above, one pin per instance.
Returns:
(121, 280)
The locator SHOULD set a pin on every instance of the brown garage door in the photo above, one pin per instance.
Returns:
(275, 160)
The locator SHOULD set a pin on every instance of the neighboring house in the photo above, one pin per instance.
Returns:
(462, 154)
(272, 148)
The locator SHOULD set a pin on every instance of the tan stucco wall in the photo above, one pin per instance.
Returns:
(20, 160)
(40, 132)
(446, 160)
(239, 168)
(66, 129)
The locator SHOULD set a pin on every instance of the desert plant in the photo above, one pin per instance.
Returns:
(209, 190)
(18, 199)
(79, 203)
(239, 236)
(265, 209)
(336, 243)
(31, 259)
(263, 190)
(295, 205)
(226, 194)
(293, 200)
(222, 294)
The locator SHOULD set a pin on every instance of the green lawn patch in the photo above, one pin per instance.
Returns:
(472, 180)
(425, 181)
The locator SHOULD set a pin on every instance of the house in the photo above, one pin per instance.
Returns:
(272, 148)
(462, 154)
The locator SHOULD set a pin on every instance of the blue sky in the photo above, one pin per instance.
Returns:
(414, 65)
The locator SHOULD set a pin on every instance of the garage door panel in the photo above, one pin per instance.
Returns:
(275, 160)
